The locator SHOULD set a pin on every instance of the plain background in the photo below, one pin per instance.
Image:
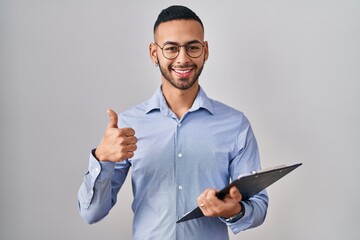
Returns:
(291, 66)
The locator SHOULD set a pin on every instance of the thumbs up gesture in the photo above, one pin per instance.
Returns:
(117, 144)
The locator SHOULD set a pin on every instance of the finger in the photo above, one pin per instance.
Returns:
(129, 155)
(201, 201)
(129, 132)
(235, 194)
(212, 199)
(202, 198)
(113, 119)
(131, 140)
(130, 148)
(211, 194)
(213, 205)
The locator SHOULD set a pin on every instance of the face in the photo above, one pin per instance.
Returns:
(183, 71)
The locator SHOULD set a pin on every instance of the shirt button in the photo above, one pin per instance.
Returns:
(180, 187)
(179, 125)
(180, 155)
(97, 170)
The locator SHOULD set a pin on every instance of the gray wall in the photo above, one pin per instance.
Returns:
(291, 66)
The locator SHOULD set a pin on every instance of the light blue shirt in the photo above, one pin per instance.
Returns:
(176, 160)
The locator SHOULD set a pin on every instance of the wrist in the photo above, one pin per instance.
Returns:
(98, 155)
(236, 217)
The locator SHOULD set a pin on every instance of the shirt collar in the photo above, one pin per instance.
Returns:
(157, 101)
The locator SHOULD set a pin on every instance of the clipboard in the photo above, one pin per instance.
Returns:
(248, 185)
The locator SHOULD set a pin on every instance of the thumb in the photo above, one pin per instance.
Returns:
(113, 119)
(234, 193)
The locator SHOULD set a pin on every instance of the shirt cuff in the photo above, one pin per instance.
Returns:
(242, 223)
(237, 217)
(100, 170)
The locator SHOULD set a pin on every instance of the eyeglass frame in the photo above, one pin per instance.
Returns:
(179, 46)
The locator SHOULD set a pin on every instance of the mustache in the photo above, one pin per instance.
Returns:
(183, 66)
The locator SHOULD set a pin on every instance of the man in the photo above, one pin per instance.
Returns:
(187, 146)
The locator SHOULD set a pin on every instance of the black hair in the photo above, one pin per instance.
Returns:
(176, 12)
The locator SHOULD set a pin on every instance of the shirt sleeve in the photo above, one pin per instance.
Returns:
(245, 161)
(98, 192)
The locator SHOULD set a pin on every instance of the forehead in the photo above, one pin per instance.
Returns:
(180, 31)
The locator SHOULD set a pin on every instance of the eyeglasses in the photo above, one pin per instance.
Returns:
(172, 50)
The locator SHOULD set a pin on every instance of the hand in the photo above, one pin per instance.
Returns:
(211, 206)
(117, 144)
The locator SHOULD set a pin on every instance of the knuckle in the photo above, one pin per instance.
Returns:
(120, 131)
(121, 140)
(118, 157)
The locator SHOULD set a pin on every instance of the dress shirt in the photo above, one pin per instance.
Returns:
(175, 161)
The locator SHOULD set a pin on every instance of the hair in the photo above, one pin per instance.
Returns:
(176, 12)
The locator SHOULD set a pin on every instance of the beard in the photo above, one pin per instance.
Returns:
(181, 83)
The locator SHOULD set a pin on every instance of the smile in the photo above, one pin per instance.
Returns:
(182, 71)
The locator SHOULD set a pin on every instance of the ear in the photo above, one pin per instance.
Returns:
(153, 53)
(206, 50)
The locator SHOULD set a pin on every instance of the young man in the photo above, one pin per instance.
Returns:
(187, 146)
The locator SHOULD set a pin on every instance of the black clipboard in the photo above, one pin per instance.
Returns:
(248, 185)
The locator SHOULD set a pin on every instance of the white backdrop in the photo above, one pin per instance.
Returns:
(291, 66)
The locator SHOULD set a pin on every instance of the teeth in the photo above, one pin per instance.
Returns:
(181, 72)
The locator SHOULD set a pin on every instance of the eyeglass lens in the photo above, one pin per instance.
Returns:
(171, 50)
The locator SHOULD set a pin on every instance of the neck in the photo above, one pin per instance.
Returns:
(179, 101)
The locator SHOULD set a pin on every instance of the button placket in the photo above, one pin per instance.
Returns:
(179, 158)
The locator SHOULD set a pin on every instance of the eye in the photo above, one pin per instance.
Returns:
(194, 47)
(171, 48)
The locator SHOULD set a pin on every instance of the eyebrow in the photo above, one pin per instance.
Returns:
(189, 42)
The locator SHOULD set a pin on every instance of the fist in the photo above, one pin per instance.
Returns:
(211, 206)
(117, 144)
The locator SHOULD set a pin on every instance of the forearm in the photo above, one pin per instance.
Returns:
(97, 194)
(259, 205)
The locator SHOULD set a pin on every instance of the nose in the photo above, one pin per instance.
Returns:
(182, 57)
